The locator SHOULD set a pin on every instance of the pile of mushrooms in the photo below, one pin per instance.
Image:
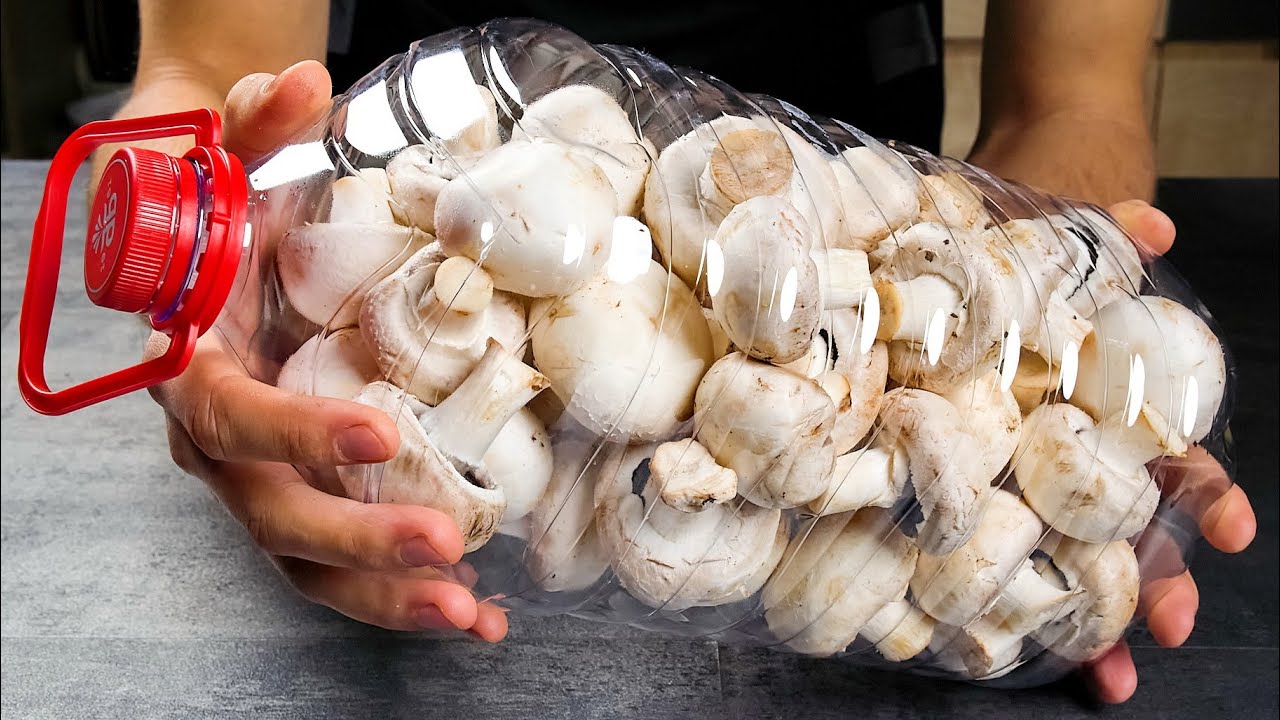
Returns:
(838, 391)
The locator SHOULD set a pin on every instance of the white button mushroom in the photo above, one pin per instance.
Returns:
(874, 476)
(992, 416)
(843, 575)
(429, 323)
(701, 176)
(774, 287)
(363, 198)
(865, 365)
(1156, 351)
(624, 357)
(671, 558)
(770, 426)
(877, 195)
(416, 176)
(538, 216)
(564, 552)
(326, 268)
(592, 122)
(992, 576)
(950, 199)
(440, 463)
(336, 365)
(951, 487)
(1109, 577)
(946, 303)
(688, 478)
(1090, 481)
(520, 463)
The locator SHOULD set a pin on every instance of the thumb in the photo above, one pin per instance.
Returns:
(263, 111)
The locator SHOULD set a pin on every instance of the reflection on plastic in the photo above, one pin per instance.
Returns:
(370, 127)
(1190, 403)
(291, 163)
(1070, 368)
(575, 243)
(631, 250)
(454, 102)
(869, 320)
(935, 335)
(499, 70)
(1137, 387)
(715, 267)
(790, 286)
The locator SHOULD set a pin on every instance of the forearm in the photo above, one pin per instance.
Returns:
(1062, 97)
(1080, 154)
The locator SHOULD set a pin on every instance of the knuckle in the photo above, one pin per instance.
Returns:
(209, 425)
(260, 524)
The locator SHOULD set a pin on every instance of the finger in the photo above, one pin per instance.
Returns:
(287, 517)
(1153, 230)
(1197, 485)
(1230, 523)
(1170, 606)
(491, 623)
(265, 111)
(387, 600)
(1113, 676)
(231, 416)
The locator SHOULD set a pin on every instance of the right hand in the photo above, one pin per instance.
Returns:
(383, 564)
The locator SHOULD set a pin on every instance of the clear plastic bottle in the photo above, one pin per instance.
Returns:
(688, 358)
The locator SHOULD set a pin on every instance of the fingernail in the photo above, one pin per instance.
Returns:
(419, 553)
(431, 618)
(359, 444)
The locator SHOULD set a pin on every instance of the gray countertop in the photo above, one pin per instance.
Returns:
(128, 591)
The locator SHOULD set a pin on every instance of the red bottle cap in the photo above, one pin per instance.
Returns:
(165, 239)
(132, 229)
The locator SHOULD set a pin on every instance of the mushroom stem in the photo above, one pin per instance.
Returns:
(452, 310)
(844, 277)
(1058, 327)
(1029, 601)
(1124, 444)
(910, 308)
(871, 477)
(980, 649)
(899, 630)
(688, 478)
(469, 420)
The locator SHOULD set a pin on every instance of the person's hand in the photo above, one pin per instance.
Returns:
(383, 564)
(1197, 486)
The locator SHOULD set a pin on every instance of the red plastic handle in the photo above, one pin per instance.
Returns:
(46, 257)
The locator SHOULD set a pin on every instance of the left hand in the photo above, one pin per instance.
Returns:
(1197, 486)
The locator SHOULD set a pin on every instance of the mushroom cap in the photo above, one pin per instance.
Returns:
(992, 416)
(420, 475)
(837, 572)
(989, 287)
(416, 175)
(1111, 579)
(363, 198)
(420, 344)
(770, 426)
(520, 462)
(877, 196)
(592, 121)
(949, 199)
(951, 488)
(670, 559)
(336, 365)
(1107, 266)
(678, 215)
(958, 586)
(768, 302)
(1160, 350)
(326, 268)
(624, 357)
(564, 553)
(1076, 485)
(536, 215)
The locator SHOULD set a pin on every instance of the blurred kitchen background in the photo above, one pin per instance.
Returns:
(1212, 84)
